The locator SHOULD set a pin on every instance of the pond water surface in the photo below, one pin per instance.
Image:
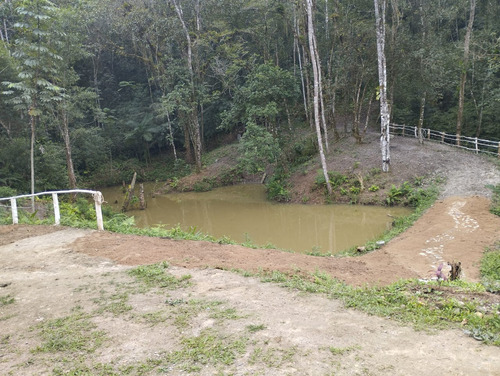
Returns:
(242, 213)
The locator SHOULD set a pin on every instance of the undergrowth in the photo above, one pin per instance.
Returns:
(495, 199)
(424, 305)
(420, 199)
(490, 269)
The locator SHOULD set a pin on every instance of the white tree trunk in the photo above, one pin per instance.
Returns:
(380, 6)
(32, 161)
(316, 101)
(421, 119)
(463, 75)
(195, 126)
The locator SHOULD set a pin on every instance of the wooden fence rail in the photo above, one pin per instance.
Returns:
(474, 144)
(98, 200)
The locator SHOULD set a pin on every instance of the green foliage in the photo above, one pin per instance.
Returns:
(257, 149)
(421, 199)
(14, 165)
(7, 192)
(495, 200)
(490, 269)
(263, 99)
(277, 188)
(374, 188)
(302, 151)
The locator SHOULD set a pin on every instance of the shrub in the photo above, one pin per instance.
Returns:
(495, 200)
(277, 190)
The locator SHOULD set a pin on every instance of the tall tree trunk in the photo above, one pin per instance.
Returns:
(380, 6)
(421, 119)
(316, 100)
(194, 123)
(32, 160)
(422, 70)
(171, 133)
(463, 75)
(67, 149)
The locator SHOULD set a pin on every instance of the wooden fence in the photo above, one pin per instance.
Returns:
(474, 144)
(98, 199)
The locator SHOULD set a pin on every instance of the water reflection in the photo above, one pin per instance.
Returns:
(243, 213)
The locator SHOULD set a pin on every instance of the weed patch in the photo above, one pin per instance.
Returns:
(272, 357)
(74, 333)
(209, 348)
(425, 305)
(116, 304)
(490, 269)
(6, 300)
(156, 275)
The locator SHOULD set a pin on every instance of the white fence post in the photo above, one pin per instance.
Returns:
(13, 205)
(98, 212)
(477, 148)
(98, 198)
(57, 213)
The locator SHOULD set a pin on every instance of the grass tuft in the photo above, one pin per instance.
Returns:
(156, 275)
(208, 348)
(74, 333)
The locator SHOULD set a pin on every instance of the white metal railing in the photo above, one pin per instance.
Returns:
(98, 200)
(474, 144)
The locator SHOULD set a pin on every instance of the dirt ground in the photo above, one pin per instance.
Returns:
(48, 273)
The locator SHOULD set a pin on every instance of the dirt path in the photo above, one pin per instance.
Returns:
(298, 334)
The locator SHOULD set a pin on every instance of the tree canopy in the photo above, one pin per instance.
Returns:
(94, 83)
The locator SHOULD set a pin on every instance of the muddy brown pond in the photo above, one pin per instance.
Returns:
(243, 214)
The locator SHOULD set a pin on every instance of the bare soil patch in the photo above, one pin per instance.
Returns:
(283, 332)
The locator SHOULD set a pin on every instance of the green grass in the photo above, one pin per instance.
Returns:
(186, 312)
(421, 199)
(74, 333)
(490, 269)
(272, 357)
(116, 304)
(252, 328)
(6, 300)
(208, 348)
(84, 370)
(156, 275)
(495, 199)
(154, 318)
(430, 305)
(342, 350)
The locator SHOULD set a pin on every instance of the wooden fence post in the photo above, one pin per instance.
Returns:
(129, 194)
(429, 134)
(99, 199)
(142, 200)
(13, 205)
(442, 137)
(499, 150)
(477, 148)
(404, 129)
(57, 213)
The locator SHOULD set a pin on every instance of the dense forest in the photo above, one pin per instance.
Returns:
(92, 88)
